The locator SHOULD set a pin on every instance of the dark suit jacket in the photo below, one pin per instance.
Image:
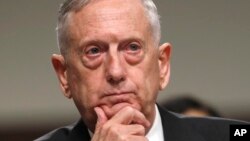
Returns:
(175, 127)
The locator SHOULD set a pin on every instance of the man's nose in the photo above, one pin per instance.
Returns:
(115, 72)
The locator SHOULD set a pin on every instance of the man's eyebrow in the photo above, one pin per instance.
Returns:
(133, 39)
(89, 41)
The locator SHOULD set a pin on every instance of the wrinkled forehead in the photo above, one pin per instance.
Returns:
(111, 16)
(121, 18)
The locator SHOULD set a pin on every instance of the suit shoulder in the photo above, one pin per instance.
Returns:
(74, 132)
(211, 121)
(212, 128)
(207, 128)
(59, 134)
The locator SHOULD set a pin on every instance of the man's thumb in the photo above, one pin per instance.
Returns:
(101, 118)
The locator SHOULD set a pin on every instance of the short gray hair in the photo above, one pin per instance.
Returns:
(70, 6)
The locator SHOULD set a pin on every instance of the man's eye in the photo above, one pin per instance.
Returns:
(133, 47)
(93, 50)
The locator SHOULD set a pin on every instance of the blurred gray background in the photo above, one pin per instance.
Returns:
(210, 59)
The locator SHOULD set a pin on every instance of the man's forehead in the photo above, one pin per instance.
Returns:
(105, 17)
(114, 2)
(98, 13)
(110, 21)
(112, 9)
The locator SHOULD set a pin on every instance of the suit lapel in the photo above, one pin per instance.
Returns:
(79, 132)
(175, 129)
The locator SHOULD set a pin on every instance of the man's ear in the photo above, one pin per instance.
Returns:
(164, 64)
(61, 71)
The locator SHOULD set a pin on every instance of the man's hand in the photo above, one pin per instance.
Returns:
(128, 124)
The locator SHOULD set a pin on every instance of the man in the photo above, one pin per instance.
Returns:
(112, 66)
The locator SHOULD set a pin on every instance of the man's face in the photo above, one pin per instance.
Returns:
(113, 61)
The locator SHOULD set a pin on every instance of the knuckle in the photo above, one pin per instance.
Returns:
(105, 127)
(129, 109)
(141, 129)
(114, 131)
(123, 138)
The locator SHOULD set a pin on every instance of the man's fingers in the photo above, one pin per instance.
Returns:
(121, 132)
(134, 129)
(129, 115)
(127, 124)
(101, 117)
(136, 138)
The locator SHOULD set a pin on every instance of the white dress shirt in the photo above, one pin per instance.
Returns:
(156, 132)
